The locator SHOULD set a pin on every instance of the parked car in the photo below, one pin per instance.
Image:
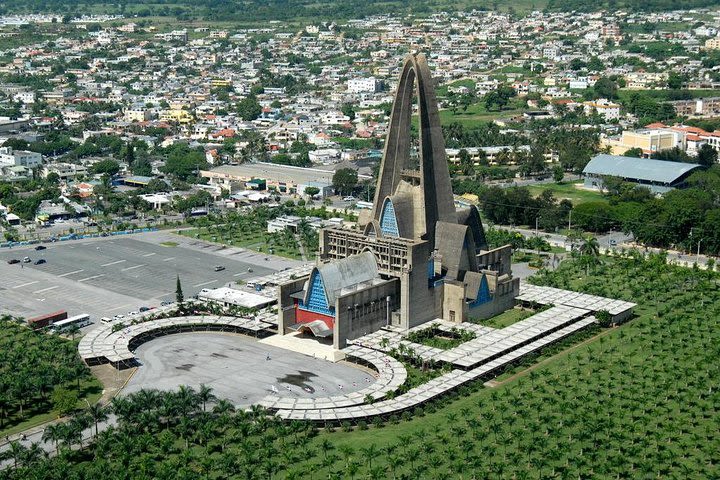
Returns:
(13, 261)
(144, 309)
(119, 316)
(106, 320)
(219, 268)
(26, 260)
(40, 261)
(134, 312)
(40, 247)
(349, 198)
(162, 304)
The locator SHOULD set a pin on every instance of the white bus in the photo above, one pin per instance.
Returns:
(82, 320)
(363, 205)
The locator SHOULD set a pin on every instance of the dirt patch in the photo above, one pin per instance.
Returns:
(112, 380)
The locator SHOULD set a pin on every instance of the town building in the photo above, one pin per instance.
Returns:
(23, 158)
(657, 175)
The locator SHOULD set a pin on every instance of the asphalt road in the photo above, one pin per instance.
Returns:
(236, 367)
(111, 275)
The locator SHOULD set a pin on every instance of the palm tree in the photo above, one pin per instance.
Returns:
(98, 413)
(205, 395)
(589, 252)
(54, 433)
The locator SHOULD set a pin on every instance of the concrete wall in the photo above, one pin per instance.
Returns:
(455, 308)
(286, 304)
(368, 316)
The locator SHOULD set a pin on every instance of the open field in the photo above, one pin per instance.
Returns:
(567, 191)
(107, 276)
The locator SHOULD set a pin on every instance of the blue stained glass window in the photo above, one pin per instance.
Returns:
(483, 295)
(388, 220)
(317, 300)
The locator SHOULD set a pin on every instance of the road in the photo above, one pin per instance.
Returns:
(621, 240)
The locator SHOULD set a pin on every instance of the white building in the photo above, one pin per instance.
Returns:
(363, 85)
(24, 158)
(605, 108)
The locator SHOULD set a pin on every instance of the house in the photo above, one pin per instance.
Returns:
(9, 156)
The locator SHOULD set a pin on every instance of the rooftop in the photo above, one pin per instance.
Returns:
(650, 170)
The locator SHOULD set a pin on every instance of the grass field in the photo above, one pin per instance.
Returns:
(258, 241)
(91, 390)
(568, 191)
(506, 318)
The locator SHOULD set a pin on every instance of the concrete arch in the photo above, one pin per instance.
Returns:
(432, 176)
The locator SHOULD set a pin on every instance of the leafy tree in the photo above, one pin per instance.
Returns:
(182, 161)
(634, 152)
(707, 155)
(345, 180)
(312, 191)
(605, 88)
(248, 108)
(558, 174)
(64, 400)
(110, 167)
(348, 110)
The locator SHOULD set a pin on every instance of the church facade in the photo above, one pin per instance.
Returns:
(415, 257)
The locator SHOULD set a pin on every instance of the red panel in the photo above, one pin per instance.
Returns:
(303, 316)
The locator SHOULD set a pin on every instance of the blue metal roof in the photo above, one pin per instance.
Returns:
(646, 169)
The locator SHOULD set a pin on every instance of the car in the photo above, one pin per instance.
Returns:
(349, 198)
(106, 320)
(40, 261)
(612, 242)
(144, 309)
(219, 268)
(162, 304)
(13, 261)
(26, 260)
(134, 312)
(250, 270)
(119, 316)
(40, 247)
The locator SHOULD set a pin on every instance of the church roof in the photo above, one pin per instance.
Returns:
(347, 272)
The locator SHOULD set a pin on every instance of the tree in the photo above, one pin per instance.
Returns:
(178, 291)
(345, 180)
(98, 413)
(249, 108)
(636, 152)
(348, 110)
(311, 191)
(64, 400)
(110, 167)
(141, 166)
(605, 88)
(707, 156)
(558, 174)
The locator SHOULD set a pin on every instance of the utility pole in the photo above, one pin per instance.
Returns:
(569, 220)
(697, 258)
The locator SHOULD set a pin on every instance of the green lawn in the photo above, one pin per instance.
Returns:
(506, 318)
(475, 114)
(91, 390)
(258, 241)
(566, 190)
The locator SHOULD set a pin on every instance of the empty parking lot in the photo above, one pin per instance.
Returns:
(111, 275)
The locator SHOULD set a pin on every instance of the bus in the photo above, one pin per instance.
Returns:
(363, 205)
(81, 320)
(46, 320)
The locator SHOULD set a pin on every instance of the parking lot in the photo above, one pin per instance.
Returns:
(111, 275)
(237, 368)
